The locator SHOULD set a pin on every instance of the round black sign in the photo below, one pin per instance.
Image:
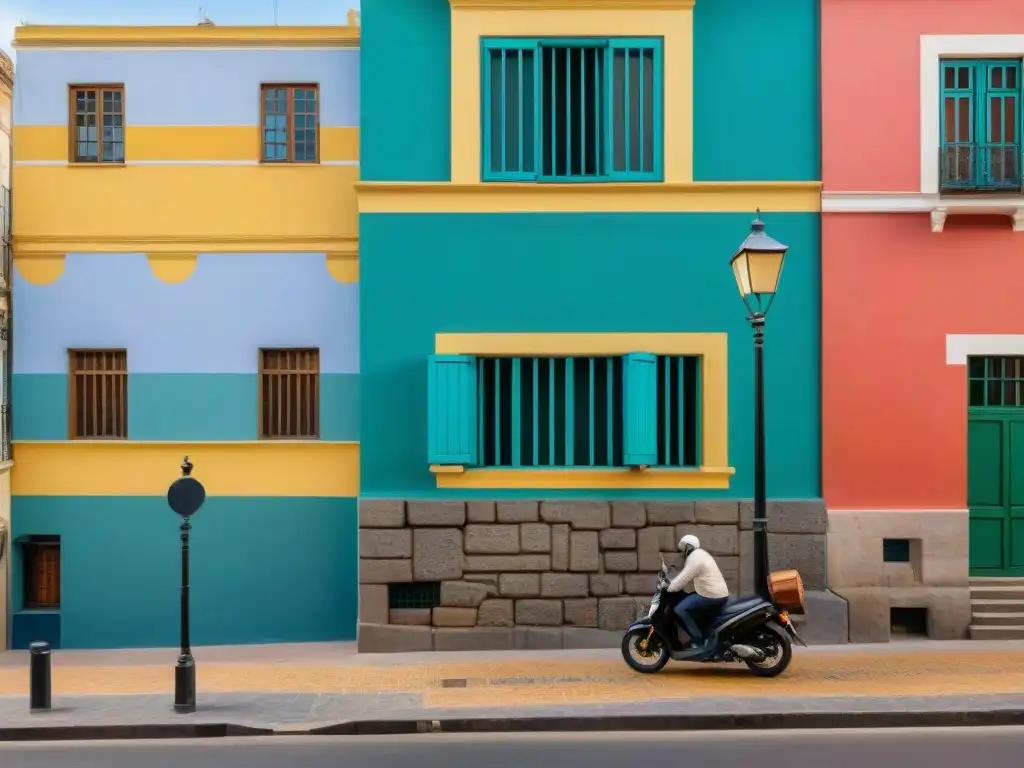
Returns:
(185, 496)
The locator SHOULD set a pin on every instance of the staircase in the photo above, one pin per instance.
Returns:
(997, 609)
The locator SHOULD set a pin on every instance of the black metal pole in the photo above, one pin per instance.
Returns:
(185, 670)
(760, 495)
(39, 680)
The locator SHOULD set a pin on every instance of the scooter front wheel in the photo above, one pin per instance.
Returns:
(644, 654)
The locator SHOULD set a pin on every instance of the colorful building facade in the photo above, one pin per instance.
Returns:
(186, 277)
(923, 356)
(6, 103)
(556, 368)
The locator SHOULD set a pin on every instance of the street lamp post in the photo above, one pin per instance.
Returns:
(185, 496)
(757, 266)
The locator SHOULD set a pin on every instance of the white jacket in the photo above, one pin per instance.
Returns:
(701, 569)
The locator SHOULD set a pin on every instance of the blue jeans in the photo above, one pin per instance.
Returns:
(700, 605)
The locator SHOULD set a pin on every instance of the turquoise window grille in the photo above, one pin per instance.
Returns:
(980, 122)
(580, 412)
(572, 110)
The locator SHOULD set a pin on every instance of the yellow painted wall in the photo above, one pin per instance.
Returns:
(135, 468)
(184, 208)
(184, 143)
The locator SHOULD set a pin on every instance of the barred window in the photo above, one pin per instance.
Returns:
(98, 394)
(289, 393)
(638, 409)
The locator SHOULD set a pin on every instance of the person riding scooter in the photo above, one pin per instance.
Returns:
(710, 592)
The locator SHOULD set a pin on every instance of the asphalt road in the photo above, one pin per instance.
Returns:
(936, 748)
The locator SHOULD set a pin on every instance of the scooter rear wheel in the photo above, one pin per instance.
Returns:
(774, 643)
(649, 658)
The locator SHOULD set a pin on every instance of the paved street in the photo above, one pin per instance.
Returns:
(275, 688)
(947, 748)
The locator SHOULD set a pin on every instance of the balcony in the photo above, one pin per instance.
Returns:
(980, 168)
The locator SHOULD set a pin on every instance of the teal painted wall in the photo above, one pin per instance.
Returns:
(263, 569)
(405, 91)
(435, 273)
(39, 406)
(181, 407)
(756, 91)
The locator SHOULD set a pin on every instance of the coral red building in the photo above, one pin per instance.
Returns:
(922, 321)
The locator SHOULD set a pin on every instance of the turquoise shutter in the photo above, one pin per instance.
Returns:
(958, 118)
(634, 109)
(640, 409)
(510, 80)
(451, 410)
(999, 157)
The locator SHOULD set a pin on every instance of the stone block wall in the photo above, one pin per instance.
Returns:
(552, 573)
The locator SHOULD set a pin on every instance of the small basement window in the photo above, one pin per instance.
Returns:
(908, 621)
(40, 559)
(896, 550)
(423, 594)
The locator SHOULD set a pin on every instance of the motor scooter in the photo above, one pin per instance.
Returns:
(751, 630)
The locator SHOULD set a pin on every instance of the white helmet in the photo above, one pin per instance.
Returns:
(688, 543)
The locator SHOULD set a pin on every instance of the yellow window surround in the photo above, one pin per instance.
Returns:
(712, 348)
(671, 20)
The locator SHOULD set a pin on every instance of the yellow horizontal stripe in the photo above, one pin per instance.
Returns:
(567, 344)
(59, 36)
(121, 468)
(185, 209)
(706, 478)
(166, 143)
(712, 197)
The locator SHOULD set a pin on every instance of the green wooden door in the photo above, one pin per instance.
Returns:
(995, 466)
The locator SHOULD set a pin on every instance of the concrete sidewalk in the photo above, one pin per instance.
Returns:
(308, 687)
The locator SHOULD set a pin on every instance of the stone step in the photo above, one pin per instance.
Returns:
(997, 619)
(997, 606)
(997, 593)
(997, 633)
(1000, 581)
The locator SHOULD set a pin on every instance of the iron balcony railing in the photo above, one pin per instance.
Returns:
(970, 167)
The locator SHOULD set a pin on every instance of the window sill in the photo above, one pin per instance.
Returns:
(38, 611)
(709, 478)
(75, 164)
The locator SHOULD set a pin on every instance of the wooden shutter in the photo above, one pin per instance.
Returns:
(452, 410)
(640, 409)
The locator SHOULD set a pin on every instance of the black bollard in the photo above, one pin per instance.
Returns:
(39, 676)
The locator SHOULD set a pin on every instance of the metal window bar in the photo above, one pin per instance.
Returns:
(567, 412)
(290, 394)
(995, 382)
(973, 167)
(99, 394)
(572, 111)
(416, 595)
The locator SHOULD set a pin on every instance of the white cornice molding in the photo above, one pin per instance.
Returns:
(877, 202)
(939, 207)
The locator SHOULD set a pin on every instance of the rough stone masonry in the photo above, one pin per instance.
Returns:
(562, 574)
